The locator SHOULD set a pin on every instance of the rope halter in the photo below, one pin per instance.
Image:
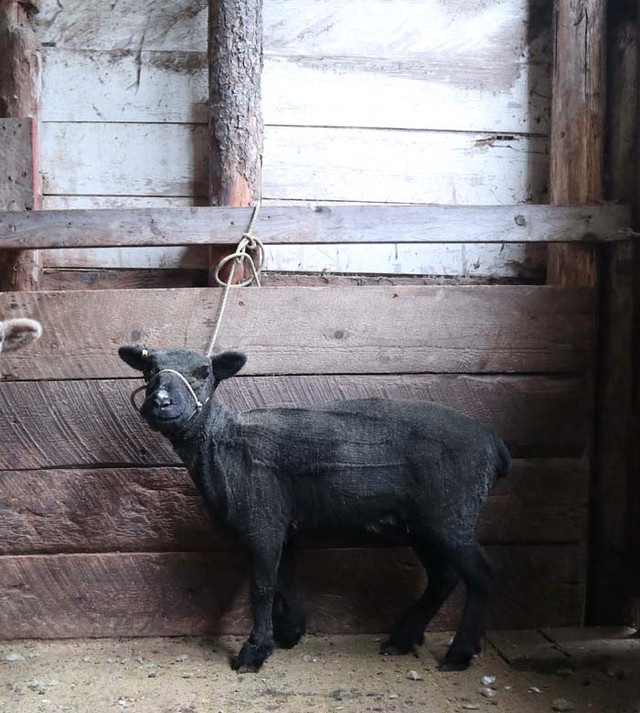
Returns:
(199, 404)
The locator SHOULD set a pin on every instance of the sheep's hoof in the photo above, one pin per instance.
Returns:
(287, 638)
(250, 658)
(401, 643)
(455, 661)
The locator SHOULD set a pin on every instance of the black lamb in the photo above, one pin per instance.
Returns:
(268, 473)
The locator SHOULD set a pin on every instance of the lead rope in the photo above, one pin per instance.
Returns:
(248, 243)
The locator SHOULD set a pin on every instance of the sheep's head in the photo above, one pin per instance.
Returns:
(17, 333)
(179, 382)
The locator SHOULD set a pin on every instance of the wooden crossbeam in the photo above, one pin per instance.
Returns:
(315, 224)
(353, 330)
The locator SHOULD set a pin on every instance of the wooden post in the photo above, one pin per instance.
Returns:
(634, 489)
(19, 98)
(577, 127)
(577, 157)
(235, 114)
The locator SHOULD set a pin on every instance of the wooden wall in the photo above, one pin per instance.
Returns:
(102, 533)
(364, 100)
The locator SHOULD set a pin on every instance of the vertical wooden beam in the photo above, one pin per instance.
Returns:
(577, 172)
(633, 80)
(19, 98)
(577, 126)
(235, 113)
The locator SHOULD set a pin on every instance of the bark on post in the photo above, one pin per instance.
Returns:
(19, 98)
(235, 113)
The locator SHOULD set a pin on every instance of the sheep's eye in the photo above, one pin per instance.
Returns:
(202, 372)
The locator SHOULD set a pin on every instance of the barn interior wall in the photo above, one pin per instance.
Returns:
(363, 100)
(405, 102)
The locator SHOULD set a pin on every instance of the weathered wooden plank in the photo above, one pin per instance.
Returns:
(300, 163)
(529, 650)
(361, 330)
(404, 166)
(313, 224)
(349, 591)
(423, 92)
(126, 159)
(510, 28)
(99, 85)
(160, 510)
(74, 424)
(16, 169)
(476, 261)
(519, 261)
(165, 258)
(115, 279)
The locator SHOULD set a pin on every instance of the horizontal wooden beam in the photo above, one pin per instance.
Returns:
(346, 591)
(314, 330)
(160, 510)
(80, 423)
(314, 224)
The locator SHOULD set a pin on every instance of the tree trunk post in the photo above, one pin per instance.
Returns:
(235, 113)
(20, 78)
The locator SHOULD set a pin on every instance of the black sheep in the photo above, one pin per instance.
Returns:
(266, 473)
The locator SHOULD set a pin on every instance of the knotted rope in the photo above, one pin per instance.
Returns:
(249, 243)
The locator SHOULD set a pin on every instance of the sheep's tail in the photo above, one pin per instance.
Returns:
(504, 463)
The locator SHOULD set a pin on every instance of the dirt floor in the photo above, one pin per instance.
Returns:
(534, 671)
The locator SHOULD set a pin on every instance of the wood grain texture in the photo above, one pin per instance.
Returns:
(19, 98)
(499, 262)
(115, 279)
(160, 510)
(495, 261)
(16, 169)
(58, 596)
(610, 595)
(404, 166)
(480, 329)
(308, 163)
(312, 224)
(577, 127)
(100, 85)
(77, 424)
(577, 177)
(368, 28)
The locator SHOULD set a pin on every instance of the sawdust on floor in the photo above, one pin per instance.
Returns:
(341, 674)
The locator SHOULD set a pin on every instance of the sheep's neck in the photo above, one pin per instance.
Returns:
(202, 427)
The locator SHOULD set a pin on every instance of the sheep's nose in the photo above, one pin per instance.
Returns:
(162, 399)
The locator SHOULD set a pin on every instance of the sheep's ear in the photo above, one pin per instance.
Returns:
(133, 356)
(227, 364)
(19, 332)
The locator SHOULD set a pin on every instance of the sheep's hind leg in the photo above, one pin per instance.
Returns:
(472, 564)
(442, 579)
(265, 558)
(289, 620)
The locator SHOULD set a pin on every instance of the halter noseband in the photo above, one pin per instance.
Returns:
(199, 404)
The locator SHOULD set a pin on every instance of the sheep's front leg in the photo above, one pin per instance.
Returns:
(265, 558)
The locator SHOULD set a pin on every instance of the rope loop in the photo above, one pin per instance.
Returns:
(248, 244)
